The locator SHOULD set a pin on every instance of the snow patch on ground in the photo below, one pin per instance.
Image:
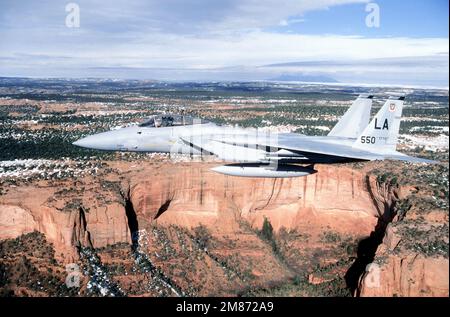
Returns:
(430, 128)
(430, 143)
(278, 128)
(46, 169)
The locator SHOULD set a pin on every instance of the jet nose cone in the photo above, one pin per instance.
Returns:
(99, 142)
(108, 141)
(86, 142)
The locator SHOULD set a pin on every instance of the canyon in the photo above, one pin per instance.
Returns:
(201, 233)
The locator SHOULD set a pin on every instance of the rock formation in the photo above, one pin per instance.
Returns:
(186, 195)
(102, 211)
(411, 261)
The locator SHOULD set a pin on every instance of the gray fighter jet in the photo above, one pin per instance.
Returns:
(259, 153)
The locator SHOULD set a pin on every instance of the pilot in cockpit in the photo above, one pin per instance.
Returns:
(158, 121)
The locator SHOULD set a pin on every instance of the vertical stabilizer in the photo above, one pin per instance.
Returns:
(382, 133)
(355, 120)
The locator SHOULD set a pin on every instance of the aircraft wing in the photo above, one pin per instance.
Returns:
(222, 146)
(225, 151)
(290, 141)
(249, 149)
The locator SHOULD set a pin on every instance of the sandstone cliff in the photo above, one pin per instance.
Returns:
(403, 273)
(318, 220)
(66, 222)
(335, 198)
(187, 195)
(412, 259)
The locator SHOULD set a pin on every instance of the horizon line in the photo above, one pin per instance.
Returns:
(380, 85)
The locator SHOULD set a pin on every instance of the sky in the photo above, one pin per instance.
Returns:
(203, 40)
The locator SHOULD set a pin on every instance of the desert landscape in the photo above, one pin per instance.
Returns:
(129, 224)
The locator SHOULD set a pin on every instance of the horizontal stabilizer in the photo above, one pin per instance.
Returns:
(410, 159)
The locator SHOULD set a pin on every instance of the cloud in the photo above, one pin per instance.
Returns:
(176, 39)
(128, 26)
(168, 16)
(251, 49)
(290, 21)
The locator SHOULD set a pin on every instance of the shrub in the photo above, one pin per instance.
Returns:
(267, 230)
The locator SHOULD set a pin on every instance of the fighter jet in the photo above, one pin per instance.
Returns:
(259, 153)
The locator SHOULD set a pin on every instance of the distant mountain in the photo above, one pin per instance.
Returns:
(304, 78)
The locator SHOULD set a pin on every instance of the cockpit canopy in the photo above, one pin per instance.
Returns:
(169, 120)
